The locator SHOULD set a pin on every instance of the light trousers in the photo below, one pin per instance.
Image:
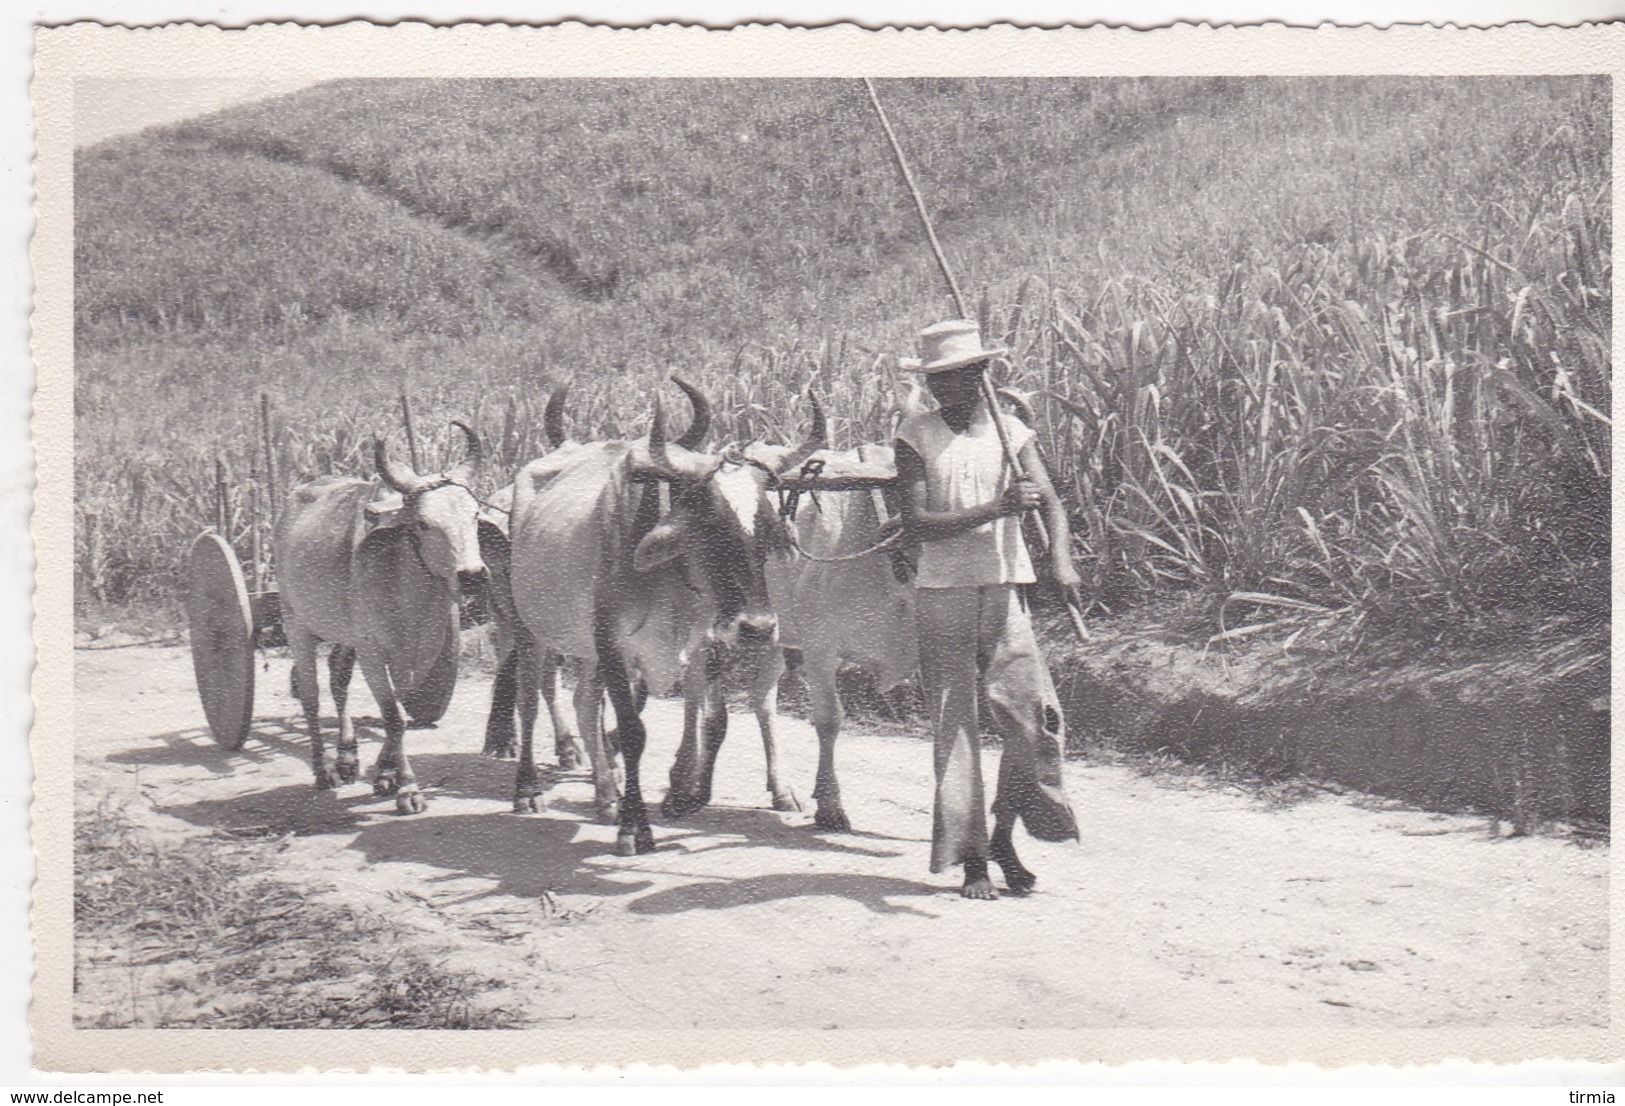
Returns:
(983, 637)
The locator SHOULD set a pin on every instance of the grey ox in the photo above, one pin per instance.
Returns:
(602, 575)
(377, 576)
(501, 736)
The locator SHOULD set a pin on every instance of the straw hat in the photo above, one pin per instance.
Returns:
(949, 345)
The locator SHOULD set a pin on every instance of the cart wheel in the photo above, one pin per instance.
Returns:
(222, 630)
(427, 702)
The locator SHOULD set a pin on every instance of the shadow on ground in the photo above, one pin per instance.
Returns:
(526, 857)
(196, 747)
(873, 892)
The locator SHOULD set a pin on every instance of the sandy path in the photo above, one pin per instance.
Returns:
(1194, 907)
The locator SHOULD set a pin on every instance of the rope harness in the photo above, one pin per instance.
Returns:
(733, 455)
(885, 543)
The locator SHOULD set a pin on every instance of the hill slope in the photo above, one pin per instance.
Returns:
(745, 210)
(471, 240)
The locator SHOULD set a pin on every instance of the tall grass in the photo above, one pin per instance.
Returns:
(1308, 346)
(1345, 429)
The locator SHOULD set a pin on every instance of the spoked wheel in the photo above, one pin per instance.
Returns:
(221, 620)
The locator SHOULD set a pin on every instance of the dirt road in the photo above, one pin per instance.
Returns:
(1182, 906)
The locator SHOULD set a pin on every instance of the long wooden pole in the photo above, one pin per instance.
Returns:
(257, 573)
(411, 433)
(220, 498)
(988, 395)
(270, 455)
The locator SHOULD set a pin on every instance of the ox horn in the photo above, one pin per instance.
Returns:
(817, 438)
(700, 426)
(463, 471)
(657, 434)
(396, 475)
(553, 417)
(659, 462)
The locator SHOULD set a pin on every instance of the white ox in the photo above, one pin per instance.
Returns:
(378, 577)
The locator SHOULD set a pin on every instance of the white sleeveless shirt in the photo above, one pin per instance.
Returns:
(966, 470)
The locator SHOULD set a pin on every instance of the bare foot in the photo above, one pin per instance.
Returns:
(977, 885)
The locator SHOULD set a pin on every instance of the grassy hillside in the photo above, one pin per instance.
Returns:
(1339, 344)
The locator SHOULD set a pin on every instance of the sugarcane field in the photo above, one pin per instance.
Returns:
(1060, 554)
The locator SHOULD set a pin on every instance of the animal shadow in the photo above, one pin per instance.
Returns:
(522, 856)
(874, 892)
(760, 827)
(196, 747)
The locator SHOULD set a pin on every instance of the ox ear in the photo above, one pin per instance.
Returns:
(663, 543)
(495, 548)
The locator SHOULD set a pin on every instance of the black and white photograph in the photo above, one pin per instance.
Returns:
(993, 564)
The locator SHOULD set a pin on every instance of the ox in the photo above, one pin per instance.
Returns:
(378, 577)
(599, 574)
(500, 734)
(836, 607)
(496, 549)
(846, 609)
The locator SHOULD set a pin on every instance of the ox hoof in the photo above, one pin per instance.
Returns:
(349, 771)
(678, 803)
(326, 778)
(786, 801)
(500, 752)
(527, 804)
(633, 843)
(410, 801)
(572, 758)
(386, 783)
(609, 813)
(832, 818)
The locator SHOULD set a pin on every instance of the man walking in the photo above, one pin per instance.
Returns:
(960, 503)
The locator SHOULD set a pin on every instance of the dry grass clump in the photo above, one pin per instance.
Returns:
(195, 934)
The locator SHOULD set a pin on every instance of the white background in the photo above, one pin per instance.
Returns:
(1535, 1083)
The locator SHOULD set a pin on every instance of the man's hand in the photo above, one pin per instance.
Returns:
(1019, 496)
